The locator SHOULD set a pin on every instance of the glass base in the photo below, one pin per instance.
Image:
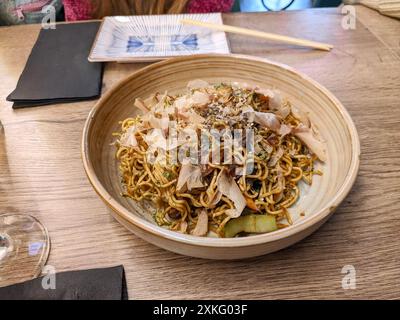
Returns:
(24, 248)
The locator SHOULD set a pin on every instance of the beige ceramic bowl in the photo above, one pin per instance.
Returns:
(318, 202)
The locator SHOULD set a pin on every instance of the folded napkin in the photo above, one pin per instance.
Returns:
(58, 70)
(96, 284)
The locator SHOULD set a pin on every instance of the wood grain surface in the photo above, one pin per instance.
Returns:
(41, 173)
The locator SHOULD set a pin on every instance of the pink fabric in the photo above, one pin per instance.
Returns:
(82, 10)
(206, 6)
(77, 10)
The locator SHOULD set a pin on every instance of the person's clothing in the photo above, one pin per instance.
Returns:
(81, 9)
(206, 6)
(77, 10)
(27, 11)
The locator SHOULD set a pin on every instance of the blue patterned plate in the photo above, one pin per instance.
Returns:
(152, 38)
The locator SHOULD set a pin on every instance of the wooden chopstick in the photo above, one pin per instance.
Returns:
(259, 34)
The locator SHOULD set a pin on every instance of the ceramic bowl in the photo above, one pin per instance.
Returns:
(318, 201)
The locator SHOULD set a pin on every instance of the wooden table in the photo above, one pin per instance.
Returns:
(41, 173)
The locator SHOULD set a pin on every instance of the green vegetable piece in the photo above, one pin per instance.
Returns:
(253, 223)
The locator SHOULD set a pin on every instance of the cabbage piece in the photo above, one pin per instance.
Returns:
(190, 177)
(268, 120)
(197, 84)
(316, 146)
(155, 139)
(139, 103)
(253, 223)
(275, 157)
(276, 102)
(201, 228)
(128, 139)
(228, 187)
(159, 123)
(265, 119)
(192, 117)
(285, 130)
(199, 98)
(301, 116)
(216, 199)
(181, 103)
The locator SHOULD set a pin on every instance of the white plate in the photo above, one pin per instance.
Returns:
(157, 37)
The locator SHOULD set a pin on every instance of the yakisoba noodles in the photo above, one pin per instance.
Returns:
(250, 194)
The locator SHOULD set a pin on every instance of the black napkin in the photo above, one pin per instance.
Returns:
(96, 284)
(58, 69)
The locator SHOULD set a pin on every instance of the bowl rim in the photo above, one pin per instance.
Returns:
(161, 232)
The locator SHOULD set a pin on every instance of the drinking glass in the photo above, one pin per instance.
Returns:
(24, 248)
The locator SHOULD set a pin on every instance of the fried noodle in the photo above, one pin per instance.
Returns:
(283, 156)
